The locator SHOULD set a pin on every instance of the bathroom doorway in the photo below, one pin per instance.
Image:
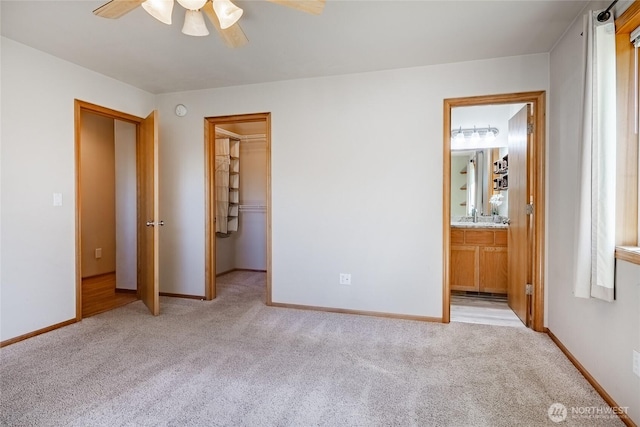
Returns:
(238, 219)
(494, 207)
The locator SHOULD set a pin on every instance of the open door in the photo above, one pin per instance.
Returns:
(519, 228)
(148, 214)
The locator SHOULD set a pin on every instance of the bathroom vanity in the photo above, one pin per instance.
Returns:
(479, 257)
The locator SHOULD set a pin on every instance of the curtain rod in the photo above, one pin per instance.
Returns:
(605, 15)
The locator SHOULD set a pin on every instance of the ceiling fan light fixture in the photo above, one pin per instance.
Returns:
(159, 9)
(227, 13)
(192, 4)
(194, 24)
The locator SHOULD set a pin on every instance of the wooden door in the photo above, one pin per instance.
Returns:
(518, 235)
(148, 213)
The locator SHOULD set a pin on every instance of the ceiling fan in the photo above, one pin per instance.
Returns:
(223, 14)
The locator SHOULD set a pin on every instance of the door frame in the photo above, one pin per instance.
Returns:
(210, 230)
(536, 161)
(79, 108)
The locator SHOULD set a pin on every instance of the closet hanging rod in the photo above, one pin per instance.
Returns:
(256, 208)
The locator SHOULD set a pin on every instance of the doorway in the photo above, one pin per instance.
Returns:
(238, 195)
(116, 191)
(497, 259)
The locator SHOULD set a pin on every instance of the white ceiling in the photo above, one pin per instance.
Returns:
(350, 36)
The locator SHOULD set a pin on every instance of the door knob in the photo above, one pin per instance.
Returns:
(161, 223)
(150, 223)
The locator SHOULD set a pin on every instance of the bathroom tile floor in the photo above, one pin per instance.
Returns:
(483, 309)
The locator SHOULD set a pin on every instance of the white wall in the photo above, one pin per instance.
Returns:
(251, 243)
(38, 269)
(356, 180)
(482, 116)
(126, 209)
(225, 255)
(98, 213)
(599, 334)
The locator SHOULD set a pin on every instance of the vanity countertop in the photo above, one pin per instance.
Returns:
(478, 225)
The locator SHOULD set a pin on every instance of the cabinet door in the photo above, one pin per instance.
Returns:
(465, 268)
(494, 270)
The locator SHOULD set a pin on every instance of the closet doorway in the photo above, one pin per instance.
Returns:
(238, 195)
(482, 255)
(116, 209)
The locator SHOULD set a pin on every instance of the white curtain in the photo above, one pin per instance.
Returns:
(595, 237)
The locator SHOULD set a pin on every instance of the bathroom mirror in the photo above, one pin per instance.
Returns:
(473, 153)
(472, 182)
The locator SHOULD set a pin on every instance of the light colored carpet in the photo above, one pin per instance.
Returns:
(237, 362)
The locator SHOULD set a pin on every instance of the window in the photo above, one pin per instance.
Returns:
(628, 160)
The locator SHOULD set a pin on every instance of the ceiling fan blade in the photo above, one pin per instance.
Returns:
(314, 7)
(116, 8)
(232, 36)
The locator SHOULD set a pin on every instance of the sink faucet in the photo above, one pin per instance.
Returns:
(474, 214)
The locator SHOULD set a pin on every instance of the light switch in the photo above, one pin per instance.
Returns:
(57, 199)
(98, 253)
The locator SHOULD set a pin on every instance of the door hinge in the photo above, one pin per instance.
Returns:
(529, 128)
(528, 289)
(528, 209)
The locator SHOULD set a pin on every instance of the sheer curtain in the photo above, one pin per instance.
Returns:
(595, 237)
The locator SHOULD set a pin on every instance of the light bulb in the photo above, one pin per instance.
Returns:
(159, 9)
(475, 136)
(227, 13)
(460, 135)
(192, 4)
(489, 136)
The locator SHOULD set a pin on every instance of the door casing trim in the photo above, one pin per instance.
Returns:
(210, 232)
(536, 159)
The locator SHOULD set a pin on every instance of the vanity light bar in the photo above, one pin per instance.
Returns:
(467, 132)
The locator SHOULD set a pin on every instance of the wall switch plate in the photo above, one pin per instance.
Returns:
(636, 363)
(98, 253)
(345, 279)
(57, 199)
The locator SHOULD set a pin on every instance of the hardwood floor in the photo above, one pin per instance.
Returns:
(483, 309)
(99, 294)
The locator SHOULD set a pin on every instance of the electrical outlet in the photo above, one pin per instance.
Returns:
(636, 363)
(98, 253)
(345, 278)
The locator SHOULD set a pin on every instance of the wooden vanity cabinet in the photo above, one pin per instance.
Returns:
(479, 260)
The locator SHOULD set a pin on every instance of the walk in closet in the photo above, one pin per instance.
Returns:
(241, 192)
